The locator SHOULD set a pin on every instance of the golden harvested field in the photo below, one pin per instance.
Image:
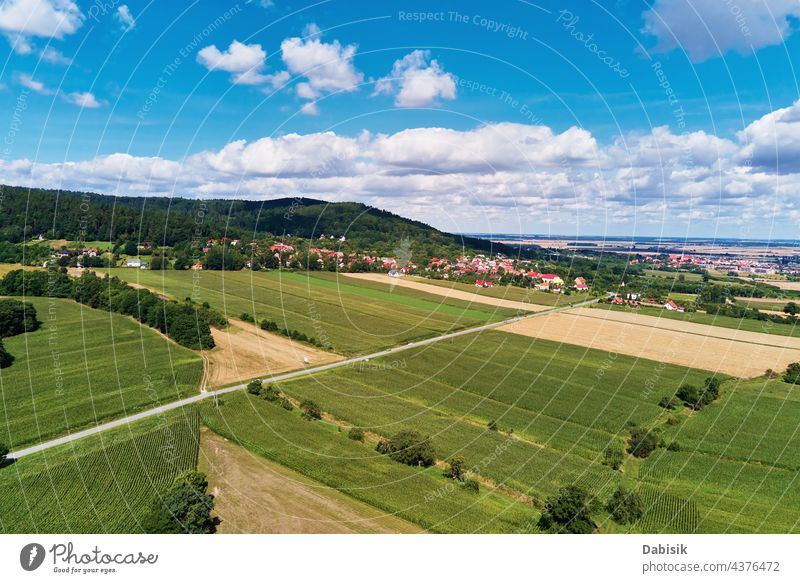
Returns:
(244, 351)
(255, 495)
(789, 285)
(735, 352)
(448, 293)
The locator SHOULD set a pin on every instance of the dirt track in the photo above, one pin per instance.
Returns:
(734, 352)
(254, 495)
(244, 351)
(449, 293)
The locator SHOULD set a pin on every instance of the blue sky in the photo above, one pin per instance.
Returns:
(664, 117)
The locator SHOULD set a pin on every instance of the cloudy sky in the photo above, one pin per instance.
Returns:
(665, 117)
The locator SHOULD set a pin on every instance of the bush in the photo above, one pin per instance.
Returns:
(642, 442)
(674, 446)
(6, 358)
(668, 403)
(254, 387)
(612, 456)
(697, 398)
(185, 508)
(269, 393)
(17, 318)
(625, 506)
(356, 434)
(458, 468)
(408, 447)
(287, 404)
(311, 410)
(4, 451)
(568, 512)
(492, 425)
(792, 374)
(246, 317)
(472, 485)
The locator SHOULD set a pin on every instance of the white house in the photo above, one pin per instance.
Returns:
(134, 262)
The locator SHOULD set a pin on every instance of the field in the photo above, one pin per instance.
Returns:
(562, 410)
(391, 283)
(85, 366)
(674, 275)
(321, 452)
(563, 413)
(6, 267)
(740, 324)
(100, 484)
(785, 285)
(734, 352)
(243, 351)
(508, 292)
(352, 318)
(284, 501)
(763, 303)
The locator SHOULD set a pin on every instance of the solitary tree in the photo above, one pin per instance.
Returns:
(185, 508)
(791, 308)
(642, 442)
(311, 410)
(568, 512)
(625, 506)
(458, 467)
(254, 386)
(3, 454)
(792, 374)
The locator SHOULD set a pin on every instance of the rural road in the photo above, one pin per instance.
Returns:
(281, 377)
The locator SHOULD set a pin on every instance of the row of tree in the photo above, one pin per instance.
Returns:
(186, 323)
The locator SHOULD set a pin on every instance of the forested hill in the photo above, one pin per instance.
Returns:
(27, 213)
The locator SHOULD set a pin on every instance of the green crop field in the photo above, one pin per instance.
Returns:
(564, 413)
(746, 324)
(100, 484)
(85, 366)
(756, 422)
(510, 292)
(674, 275)
(320, 451)
(564, 404)
(353, 318)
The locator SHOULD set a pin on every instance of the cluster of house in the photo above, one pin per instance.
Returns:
(686, 260)
(635, 300)
(222, 241)
(491, 269)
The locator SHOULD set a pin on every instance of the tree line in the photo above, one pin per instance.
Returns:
(186, 323)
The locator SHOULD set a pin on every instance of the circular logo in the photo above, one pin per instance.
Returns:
(31, 556)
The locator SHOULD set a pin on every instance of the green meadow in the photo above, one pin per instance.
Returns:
(86, 366)
(350, 316)
(510, 292)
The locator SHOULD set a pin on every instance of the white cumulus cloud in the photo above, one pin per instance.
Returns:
(244, 62)
(125, 18)
(711, 28)
(326, 67)
(22, 19)
(503, 173)
(81, 99)
(417, 81)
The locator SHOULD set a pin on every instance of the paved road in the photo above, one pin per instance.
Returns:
(281, 377)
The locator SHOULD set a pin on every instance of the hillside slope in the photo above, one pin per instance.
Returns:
(29, 213)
